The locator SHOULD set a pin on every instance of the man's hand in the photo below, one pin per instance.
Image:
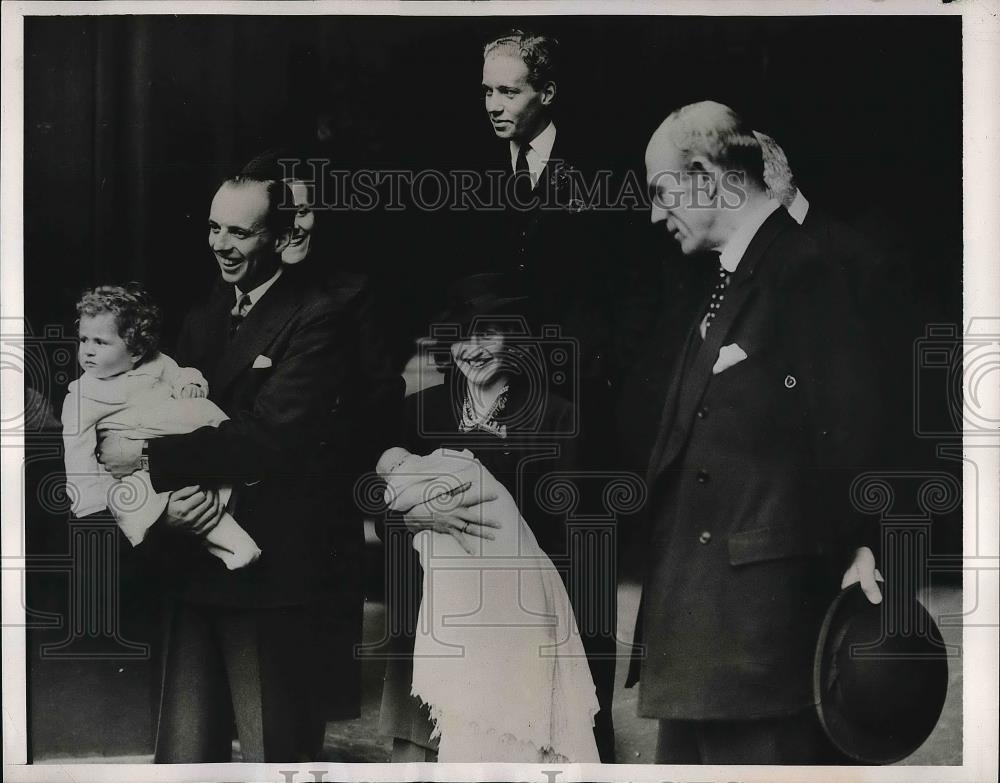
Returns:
(119, 456)
(193, 510)
(190, 390)
(863, 570)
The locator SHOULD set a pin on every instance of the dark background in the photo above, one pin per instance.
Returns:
(131, 123)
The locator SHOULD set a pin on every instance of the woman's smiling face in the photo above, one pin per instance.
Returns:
(480, 358)
(305, 222)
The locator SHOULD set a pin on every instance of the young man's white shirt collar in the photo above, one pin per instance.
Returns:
(257, 292)
(731, 253)
(799, 207)
(538, 154)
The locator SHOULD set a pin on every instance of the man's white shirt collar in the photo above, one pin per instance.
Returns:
(538, 154)
(257, 292)
(731, 253)
(799, 207)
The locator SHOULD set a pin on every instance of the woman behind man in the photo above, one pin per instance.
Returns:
(493, 403)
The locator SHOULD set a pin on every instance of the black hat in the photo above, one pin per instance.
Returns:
(879, 690)
(486, 293)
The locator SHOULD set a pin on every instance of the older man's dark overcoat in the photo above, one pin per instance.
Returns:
(751, 525)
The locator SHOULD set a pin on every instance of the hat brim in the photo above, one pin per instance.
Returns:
(468, 312)
(857, 741)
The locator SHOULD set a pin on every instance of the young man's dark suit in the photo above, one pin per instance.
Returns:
(263, 628)
(750, 525)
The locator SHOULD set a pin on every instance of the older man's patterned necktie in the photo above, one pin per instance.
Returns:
(718, 294)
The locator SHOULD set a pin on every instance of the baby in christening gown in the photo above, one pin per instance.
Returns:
(497, 655)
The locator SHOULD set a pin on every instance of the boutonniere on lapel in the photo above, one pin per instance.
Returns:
(728, 356)
(565, 181)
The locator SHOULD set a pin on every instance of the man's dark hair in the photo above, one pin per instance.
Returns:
(280, 202)
(540, 54)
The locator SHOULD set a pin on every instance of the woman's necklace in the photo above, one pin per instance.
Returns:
(487, 422)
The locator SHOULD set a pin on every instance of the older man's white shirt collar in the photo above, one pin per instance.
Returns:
(538, 154)
(257, 292)
(799, 207)
(731, 253)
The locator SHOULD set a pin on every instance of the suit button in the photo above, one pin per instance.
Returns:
(702, 476)
(702, 412)
(705, 537)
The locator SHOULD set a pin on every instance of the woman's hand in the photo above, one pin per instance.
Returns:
(463, 523)
(193, 510)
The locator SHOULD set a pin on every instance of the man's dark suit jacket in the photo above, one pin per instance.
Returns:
(281, 380)
(750, 520)
(565, 252)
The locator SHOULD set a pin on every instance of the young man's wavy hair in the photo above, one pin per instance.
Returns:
(137, 317)
(540, 53)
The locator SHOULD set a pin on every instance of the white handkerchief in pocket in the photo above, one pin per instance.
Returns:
(728, 356)
(261, 362)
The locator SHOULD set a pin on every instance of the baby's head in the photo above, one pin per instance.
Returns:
(390, 460)
(119, 328)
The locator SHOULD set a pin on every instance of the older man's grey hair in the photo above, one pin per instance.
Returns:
(718, 133)
(777, 173)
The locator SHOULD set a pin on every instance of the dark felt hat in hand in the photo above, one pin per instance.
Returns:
(880, 676)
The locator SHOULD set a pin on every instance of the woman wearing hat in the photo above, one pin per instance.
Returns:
(494, 404)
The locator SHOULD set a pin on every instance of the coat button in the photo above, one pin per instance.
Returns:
(702, 412)
(702, 476)
(705, 537)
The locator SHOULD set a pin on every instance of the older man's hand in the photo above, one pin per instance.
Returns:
(119, 455)
(863, 570)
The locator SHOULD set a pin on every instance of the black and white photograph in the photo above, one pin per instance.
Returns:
(494, 391)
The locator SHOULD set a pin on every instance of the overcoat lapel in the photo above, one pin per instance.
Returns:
(257, 331)
(689, 389)
(670, 401)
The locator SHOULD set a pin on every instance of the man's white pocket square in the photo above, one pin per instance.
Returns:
(261, 362)
(728, 356)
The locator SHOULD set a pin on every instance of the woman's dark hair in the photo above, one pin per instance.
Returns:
(137, 317)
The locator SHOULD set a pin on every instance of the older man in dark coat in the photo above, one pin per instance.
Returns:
(765, 423)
